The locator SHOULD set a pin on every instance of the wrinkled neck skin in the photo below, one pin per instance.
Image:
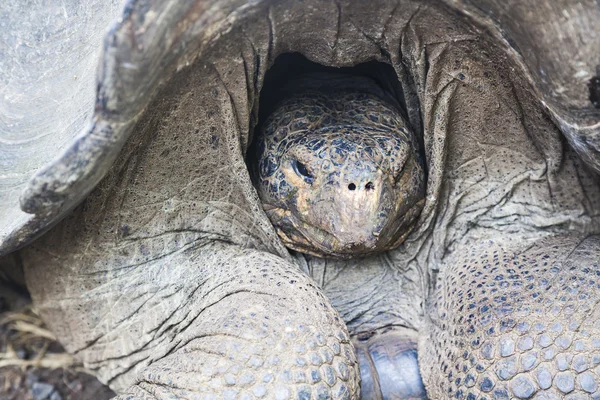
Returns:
(320, 121)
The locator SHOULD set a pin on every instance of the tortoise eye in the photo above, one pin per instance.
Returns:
(302, 171)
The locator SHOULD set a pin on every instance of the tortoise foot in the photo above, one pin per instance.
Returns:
(389, 366)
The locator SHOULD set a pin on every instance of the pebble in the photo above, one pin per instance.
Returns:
(41, 391)
(44, 391)
(55, 396)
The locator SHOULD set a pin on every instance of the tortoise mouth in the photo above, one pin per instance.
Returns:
(304, 237)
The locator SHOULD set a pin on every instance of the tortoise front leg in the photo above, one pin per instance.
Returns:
(516, 324)
(215, 322)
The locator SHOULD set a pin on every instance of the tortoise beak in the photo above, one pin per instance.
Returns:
(352, 208)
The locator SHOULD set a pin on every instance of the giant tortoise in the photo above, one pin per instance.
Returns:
(309, 199)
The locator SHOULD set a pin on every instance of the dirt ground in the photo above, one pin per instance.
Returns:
(33, 365)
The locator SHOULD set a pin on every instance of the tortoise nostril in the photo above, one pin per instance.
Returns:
(369, 186)
(352, 186)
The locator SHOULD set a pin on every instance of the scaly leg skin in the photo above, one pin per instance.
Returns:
(516, 325)
(220, 322)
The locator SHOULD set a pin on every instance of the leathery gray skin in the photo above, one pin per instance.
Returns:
(170, 281)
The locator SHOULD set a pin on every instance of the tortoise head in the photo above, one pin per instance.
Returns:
(340, 175)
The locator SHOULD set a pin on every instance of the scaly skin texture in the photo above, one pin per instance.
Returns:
(526, 326)
(339, 169)
(242, 340)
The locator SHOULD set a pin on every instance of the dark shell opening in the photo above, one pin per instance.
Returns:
(289, 66)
